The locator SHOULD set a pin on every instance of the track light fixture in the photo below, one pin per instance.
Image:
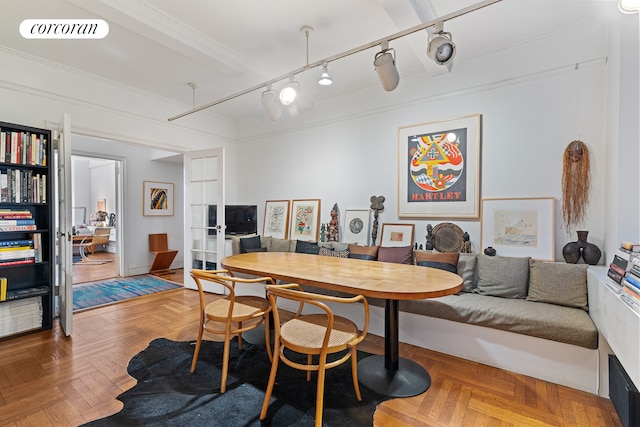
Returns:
(289, 92)
(385, 65)
(270, 104)
(441, 48)
(325, 77)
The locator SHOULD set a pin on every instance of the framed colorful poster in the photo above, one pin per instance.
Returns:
(519, 227)
(439, 169)
(276, 219)
(356, 226)
(157, 198)
(397, 235)
(305, 219)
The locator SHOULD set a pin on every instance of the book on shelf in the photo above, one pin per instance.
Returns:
(630, 246)
(17, 254)
(18, 227)
(630, 302)
(628, 287)
(633, 280)
(3, 288)
(13, 243)
(37, 246)
(23, 221)
(10, 249)
(17, 262)
(615, 276)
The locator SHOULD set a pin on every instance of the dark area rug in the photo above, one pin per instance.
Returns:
(167, 394)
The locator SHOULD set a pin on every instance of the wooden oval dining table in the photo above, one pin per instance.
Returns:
(387, 374)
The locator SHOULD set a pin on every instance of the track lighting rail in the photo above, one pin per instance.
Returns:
(344, 54)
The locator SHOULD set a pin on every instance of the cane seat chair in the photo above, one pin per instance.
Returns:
(229, 315)
(315, 335)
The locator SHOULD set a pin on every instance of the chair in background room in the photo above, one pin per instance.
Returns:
(314, 335)
(229, 315)
(159, 246)
(100, 236)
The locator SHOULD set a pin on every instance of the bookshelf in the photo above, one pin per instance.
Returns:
(26, 230)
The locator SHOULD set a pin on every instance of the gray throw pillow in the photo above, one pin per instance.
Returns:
(280, 245)
(501, 276)
(265, 242)
(235, 243)
(558, 283)
(307, 247)
(466, 270)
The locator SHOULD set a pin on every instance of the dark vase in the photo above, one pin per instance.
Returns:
(573, 251)
(490, 251)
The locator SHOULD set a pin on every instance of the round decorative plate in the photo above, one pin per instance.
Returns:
(447, 237)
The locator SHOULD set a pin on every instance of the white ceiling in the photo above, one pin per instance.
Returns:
(224, 46)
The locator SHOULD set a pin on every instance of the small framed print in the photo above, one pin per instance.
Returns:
(519, 227)
(397, 235)
(157, 198)
(305, 220)
(356, 226)
(276, 219)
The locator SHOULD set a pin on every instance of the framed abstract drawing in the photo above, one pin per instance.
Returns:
(519, 227)
(157, 198)
(439, 169)
(397, 235)
(305, 219)
(356, 226)
(276, 219)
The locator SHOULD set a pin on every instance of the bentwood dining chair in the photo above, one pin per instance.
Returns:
(229, 314)
(315, 335)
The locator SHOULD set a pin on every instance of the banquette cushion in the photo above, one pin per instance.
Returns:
(558, 283)
(397, 254)
(334, 253)
(307, 247)
(443, 261)
(249, 243)
(506, 277)
(369, 253)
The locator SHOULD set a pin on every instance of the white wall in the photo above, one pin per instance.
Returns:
(526, 127)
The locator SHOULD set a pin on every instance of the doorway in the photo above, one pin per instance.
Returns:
(96, 190)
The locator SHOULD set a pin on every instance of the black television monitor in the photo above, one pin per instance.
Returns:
(239, 219)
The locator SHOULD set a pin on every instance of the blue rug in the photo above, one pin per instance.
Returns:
(95, 294)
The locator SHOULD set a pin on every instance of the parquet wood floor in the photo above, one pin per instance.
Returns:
(47, 379)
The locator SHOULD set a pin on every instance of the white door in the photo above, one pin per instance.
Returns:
(204, 211)
(64, 245)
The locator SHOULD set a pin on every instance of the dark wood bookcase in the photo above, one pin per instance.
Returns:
(26, 191)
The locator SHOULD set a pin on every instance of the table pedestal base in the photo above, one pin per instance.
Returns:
(409, 380)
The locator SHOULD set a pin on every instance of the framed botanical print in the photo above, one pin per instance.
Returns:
(305, 219)
(439, 169)
(157, 198)
(356, 226)
(276, 219)
(519, 227)
(397, 235)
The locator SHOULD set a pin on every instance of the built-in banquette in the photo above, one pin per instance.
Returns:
(519, 314)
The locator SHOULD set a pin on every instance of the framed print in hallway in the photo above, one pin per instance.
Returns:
(439, 169)
(157, 198)
(521, 227)
(276, 219)
(305, 219)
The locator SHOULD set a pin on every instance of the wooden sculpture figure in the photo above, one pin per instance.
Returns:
(377, 204)
(333, 233)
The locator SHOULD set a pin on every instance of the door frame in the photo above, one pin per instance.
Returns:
(120, 163)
